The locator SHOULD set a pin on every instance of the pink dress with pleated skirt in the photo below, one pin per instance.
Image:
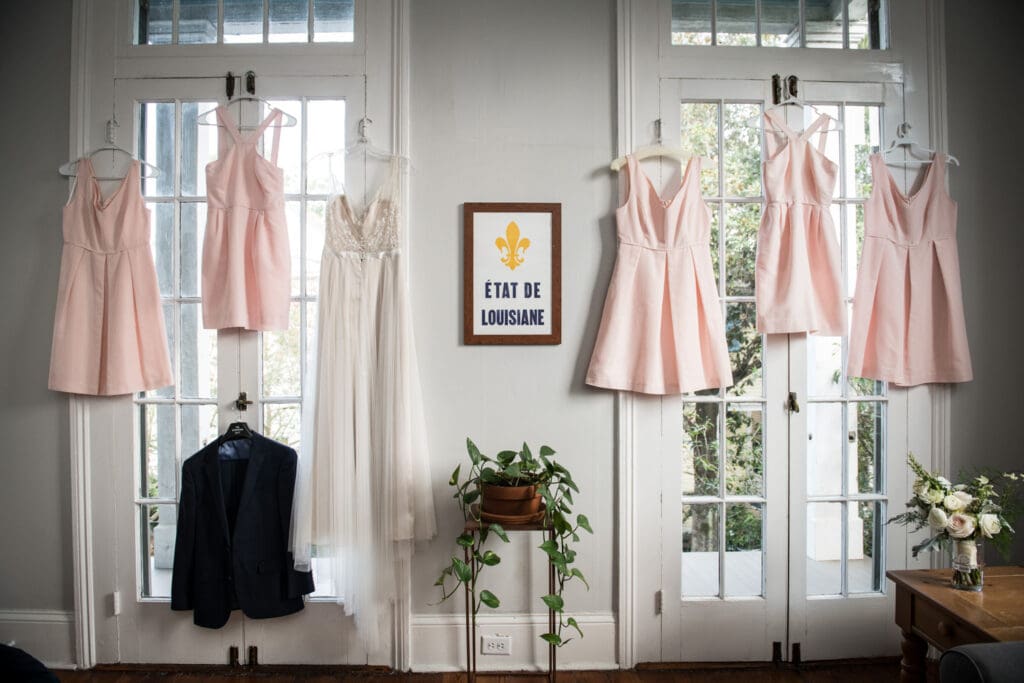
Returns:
(908, 318)
(662, 331)
(797, 282)
(108, 331)
(246, 262)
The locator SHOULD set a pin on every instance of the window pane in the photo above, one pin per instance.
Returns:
(162, 245)
(691, 22)
(744, 439)
(193, 230)
(324, 146)
(780, 23)
(824, 366)
(197, 22)
(292, 214)
(867, 443)
(746, 349)
(736, 23)
(741, 225)
(314, 244)
(198, 147)
(158, 524)
(700, 550)
(744, 559)
(824, 449)
(854, 244)
(156, 431)
(289, 156)
(198, 355)
(281, 361)
(867, 31)
(698, 123)
(155, 18)
(862, 136)
(198, 428)
(700, 449)
(824, 22)
(156, 145)
(168, 311)
(716, 230)
(742, 150)
(333, 21)
(824, 548)
(243, 21)
(867, 538)
(289, 21)
(282, 423)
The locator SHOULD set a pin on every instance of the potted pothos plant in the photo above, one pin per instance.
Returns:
(542, 489)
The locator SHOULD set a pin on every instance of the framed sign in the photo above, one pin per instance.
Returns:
(512, 273)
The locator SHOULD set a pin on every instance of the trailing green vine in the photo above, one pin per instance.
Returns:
(556, 487)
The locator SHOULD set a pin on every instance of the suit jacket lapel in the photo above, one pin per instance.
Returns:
(211, 465)
(256, 457)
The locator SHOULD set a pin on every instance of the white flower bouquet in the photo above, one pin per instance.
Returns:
(961, 514)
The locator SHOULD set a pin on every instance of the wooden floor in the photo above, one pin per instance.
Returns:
(873, 671)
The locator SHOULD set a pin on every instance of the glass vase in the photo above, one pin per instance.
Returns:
(968, 569)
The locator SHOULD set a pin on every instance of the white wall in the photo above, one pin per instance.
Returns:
(985, 97)
(514, 102)
(35, 564)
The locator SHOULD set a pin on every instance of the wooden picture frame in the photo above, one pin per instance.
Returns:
(512, 273)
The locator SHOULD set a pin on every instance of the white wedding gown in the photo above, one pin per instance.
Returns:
(364, 492)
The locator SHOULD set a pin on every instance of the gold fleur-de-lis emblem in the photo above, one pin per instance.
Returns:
(512, 247)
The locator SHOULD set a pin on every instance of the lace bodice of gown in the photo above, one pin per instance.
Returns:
(373, 230)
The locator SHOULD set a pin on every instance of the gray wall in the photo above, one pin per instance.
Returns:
(514, 102)
(984, 89)
(35, 535)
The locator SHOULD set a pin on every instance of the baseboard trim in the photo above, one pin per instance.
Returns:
(438, 642)
(48, 635)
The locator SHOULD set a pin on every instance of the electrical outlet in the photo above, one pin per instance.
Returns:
(496, 645)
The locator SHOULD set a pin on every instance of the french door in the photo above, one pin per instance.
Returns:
(774, 492)
(213, 367)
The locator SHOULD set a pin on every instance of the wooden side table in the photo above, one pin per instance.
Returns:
(930, 610)
(473, 527)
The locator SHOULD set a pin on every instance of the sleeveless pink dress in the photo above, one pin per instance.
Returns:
(908, 317)
(108, 332)
(246, 263)
(797, 282)
(661, 331)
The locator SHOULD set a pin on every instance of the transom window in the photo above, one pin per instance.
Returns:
(852, 24)
(192, 22)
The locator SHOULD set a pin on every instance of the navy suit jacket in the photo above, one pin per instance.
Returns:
(231, 549)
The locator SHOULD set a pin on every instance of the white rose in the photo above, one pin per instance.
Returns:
(989, 525)
(946, 483)
(937, 518)
(953, 503)
(934, 496)
(960, 525)
(964, 496)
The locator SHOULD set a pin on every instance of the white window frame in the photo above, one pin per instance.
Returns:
(642, 63)
(101, 428)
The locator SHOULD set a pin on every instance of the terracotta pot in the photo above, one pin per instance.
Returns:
(510, 500)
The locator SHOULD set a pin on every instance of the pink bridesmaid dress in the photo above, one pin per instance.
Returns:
(797, 282)
(908, 317)
(246, 263)
(661, 331)
(108, 332)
